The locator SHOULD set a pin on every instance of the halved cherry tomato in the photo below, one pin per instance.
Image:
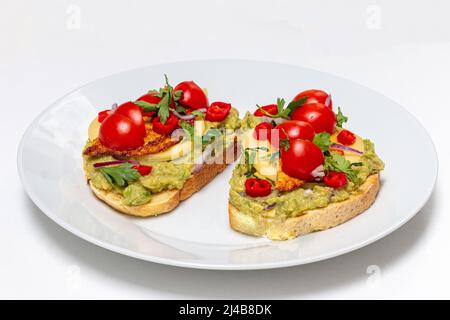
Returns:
(320, 117)
(335, 179)
(217, 111)
(120, 133)
(134, 113)
(150, 98)
(257, 187)
(294, 129)
(315, 96)
(346, 137)
(165, 128)
(103, 115)
(301, 159)
(263, 131)
(143, 170)
(270, 109)
(193, 96)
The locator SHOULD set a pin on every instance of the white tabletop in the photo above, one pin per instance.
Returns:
(48, 48)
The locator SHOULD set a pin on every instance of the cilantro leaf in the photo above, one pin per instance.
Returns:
(340, 118)
(177, 95)
(322, 140)
(336, 162)
(283, 112)
(163, 112)
(198, 113)
(146, 106)
(120, 175)
(285, 144)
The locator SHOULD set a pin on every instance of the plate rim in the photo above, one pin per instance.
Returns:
(208, 266)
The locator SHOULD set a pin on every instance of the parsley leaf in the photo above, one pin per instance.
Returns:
(120, 175)
(177, 95)
(146, 106)
(283, 112)
(322, 140)
(188, 128)
(336, 162)
(340, 118)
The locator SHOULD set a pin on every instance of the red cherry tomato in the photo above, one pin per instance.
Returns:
(120, 133)
(335, 179)
(263, 131)
(271, 109)
(103, 115)
(301, 159)
(150, 98)
(134, 113)
(315, 96)
(217, 111)
(165, 128)
(320, 117)
(193, 96)
(346, 137)
(257, 187)
(143, 170)
(295, 130)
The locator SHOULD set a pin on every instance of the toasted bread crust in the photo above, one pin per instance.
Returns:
(166, 201)
(312, 220)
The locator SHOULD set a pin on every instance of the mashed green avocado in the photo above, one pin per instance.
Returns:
(314, 195)
(165, 175)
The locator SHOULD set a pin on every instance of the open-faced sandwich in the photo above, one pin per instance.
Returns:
(143, 157)
(300, 171)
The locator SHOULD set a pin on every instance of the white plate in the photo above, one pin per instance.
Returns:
(197, 234)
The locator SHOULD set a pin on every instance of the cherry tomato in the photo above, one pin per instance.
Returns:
(263, 131)
(103, 115)
(134, 113)
(150, 98)
(320, 117)
(315, 96)
(217, 111)
(143, 170)
(193, 96)
(335, 179)
(301, 159)
(120, 133)
(295, 130)
(165, 128)
(257, 187)
(346, 137)
(271, 109)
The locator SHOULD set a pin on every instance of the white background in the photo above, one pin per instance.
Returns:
(47, 48)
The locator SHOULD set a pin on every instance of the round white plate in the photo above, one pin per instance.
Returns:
(197, 233)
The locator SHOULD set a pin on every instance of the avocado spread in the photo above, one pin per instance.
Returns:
(165, 175)
(310, 196)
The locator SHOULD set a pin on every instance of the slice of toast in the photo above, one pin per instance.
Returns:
(309, 221)
(168, 200)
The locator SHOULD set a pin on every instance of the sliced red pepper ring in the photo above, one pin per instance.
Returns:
(263, 131)
(217, 111)
(102, 115)
(165, 128)
(346, 137)
(257, 187)
(335, 179)
(270, 109)
(143, 170)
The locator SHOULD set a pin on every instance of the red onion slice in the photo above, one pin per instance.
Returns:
(345, 148)
(114, 163)
(114, 106)
(187, 117)
(318, 173)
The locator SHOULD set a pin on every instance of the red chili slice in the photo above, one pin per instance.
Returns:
(270, 109)
(143, 170)
(103, 115)
(257, 187)
(346, 137)
(217, 111)
(263, 131)
(335, 179)
(165, 128)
